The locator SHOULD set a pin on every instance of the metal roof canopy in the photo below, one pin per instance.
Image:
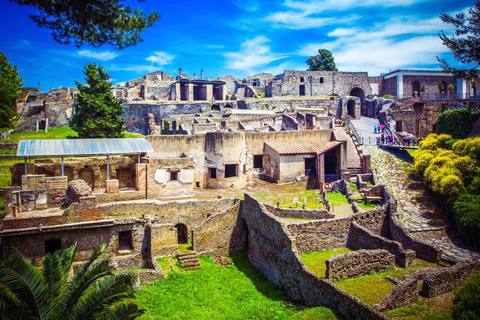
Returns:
(82, 147)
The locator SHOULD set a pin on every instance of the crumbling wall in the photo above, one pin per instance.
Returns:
(222, 233)
(272, 249)
(359, 263)
(299, 213)
(361, 238)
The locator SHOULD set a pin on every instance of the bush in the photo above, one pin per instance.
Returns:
(466, 303)
(467, 217)
(458, 123)
(422, 161)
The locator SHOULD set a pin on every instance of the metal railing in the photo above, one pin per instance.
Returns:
(329, 178)
(355, 132)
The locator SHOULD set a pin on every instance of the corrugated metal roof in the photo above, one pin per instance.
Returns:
(82, 147)
(302, 147)
(248, 111)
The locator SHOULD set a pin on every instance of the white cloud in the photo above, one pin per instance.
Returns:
(248, 5)
(136, 68)
(161, 58)
(253, 55)
(395, 43)
(317, 6)
(104, 56)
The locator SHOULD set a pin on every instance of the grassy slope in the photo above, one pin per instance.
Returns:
(216, 292)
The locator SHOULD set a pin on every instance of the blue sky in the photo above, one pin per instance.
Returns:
(241, 38)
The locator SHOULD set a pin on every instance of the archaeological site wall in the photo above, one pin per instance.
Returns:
(272, 249)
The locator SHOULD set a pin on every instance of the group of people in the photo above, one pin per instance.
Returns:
(387, 139)
(377, 128)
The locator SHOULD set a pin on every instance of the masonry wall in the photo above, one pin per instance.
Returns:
(298, 213)
(359, 263)
(272, 249)
(221, 234)
(88, 236)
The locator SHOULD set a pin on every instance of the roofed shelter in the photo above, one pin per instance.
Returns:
(287, 161)
(83, 147)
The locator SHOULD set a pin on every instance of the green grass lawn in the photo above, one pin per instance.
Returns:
(361, 287)
(309, 198)
(315, 261)
(221, 292)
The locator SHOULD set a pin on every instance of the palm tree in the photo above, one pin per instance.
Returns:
(94, 291)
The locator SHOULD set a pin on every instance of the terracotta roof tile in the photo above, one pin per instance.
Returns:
(302, 147)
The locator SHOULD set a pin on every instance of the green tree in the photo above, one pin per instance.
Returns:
(96, 22)
(94, 291)
(464, 44)
(323, 61)
(97, 111)
(10, 89)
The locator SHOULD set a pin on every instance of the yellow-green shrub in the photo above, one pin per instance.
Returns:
(422, 160)
(451, 186)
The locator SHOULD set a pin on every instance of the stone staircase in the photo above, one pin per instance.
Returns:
(188, 260)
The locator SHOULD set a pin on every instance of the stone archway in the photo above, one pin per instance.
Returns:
(182, 233)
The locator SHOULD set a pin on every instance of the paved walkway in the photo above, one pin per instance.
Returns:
(417, 208)
(365, 128)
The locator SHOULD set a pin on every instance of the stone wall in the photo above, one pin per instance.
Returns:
(221, 234)
(398, 233)
(32, 242)
(358, 263)
(443, 280)
(299, 213)
(272, 249)
(334, 233)
(361, 238)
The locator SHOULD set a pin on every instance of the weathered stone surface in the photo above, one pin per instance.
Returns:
(359, 263)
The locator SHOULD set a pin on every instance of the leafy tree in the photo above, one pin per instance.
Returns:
(96, 22)
(464, 44)
(323, 61)
(458, 122)
(97, 111)
(10, 89)
(94, 291)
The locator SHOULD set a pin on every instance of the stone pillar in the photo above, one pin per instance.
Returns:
(321, 171)
(366, 163)
(112, 186)
(178, 93)
(400, 86)
(224, 92)
(174, 127)
(209, 92)
(190, 92)
(141, 176)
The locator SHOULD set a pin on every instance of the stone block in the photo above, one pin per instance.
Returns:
(112, 186)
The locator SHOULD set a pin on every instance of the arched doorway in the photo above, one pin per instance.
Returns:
(351, 108)
(357, 92)
(87, 176)
(415, 87)
(182, 233)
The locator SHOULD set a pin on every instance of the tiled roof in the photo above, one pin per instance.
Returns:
(302, 147)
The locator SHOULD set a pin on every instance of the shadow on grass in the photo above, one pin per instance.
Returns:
(260, 281)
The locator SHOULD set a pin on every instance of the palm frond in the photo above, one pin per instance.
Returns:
(25, 282)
